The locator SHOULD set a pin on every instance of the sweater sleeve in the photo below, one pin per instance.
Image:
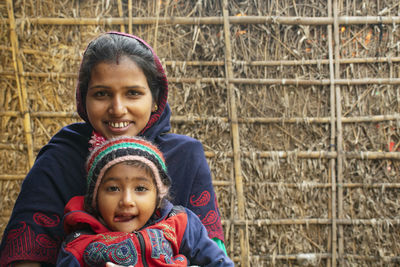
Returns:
(191, 180)
(34, 231)
(199, 248)
(203, 200)
(66, 259)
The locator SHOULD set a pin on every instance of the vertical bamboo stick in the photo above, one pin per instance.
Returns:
(130, 17)
(22, 94)
(158, 7)
(339, 130)
(121, 14)
(332, 169)
(235, 135)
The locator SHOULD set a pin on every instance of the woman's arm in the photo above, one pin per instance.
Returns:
(199, 248)
(34, 231)
(26, 264)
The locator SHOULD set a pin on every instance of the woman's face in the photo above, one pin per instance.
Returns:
(119, 100)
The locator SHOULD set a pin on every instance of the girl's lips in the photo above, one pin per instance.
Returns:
(124, 218)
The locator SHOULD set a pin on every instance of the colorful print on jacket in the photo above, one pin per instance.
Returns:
(174, 236)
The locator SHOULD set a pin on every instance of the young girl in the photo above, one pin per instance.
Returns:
(125, 218)
(122, 91)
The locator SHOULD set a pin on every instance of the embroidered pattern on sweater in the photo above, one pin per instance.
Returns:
(112, 237)
(202, 200)
(123, 253)
(161, 246)
(169, 232)
(45, 220)
(24, 243)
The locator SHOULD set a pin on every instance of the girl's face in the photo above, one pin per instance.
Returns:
(119, 100)
(126, 198)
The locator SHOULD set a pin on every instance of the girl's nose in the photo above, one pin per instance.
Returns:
(127, 199)
(117, 106)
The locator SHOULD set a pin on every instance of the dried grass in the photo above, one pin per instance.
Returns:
(288, 196)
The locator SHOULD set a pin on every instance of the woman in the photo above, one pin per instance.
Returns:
(122, 90)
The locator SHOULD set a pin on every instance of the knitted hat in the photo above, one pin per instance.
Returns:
(117, 150)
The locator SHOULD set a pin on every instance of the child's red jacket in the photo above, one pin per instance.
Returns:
(174, 236)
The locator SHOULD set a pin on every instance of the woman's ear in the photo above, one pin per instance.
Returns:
(155, 108)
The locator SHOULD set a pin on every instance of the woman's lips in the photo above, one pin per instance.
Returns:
(118, 127)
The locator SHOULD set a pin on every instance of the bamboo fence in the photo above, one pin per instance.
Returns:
(297, 106)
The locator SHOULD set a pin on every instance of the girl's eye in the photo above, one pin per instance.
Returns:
(112, 189)
(141, 189)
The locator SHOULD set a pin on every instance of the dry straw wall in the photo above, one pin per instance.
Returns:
(297, 104)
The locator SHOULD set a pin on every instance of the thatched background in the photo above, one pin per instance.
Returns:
(297, 105)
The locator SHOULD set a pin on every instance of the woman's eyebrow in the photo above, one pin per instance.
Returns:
(98, 86)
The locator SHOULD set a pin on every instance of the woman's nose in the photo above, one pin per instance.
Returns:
(117, 106)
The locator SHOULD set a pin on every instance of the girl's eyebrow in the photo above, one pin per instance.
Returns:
(140, 179)
(106, 179)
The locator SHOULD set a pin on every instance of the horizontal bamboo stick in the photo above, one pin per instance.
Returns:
(255, 81)
(304, 256)
(343, 20)
(311, 185)
(11, 177)
(302, 185)
(234, 62)
(363, 155)
(386, 259)
(314, 221)
(194, 119)
(306, 221)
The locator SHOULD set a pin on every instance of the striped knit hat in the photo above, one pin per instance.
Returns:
(117, 150)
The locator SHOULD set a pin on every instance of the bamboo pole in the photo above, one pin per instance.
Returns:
(302, 186)
(244, 259)
(158, 4)
(302, 257)
(332, 164)
(121, 14)
(130, 17)
(362, 155)
(22, 94)
(311, 185)
(339, 145)
(306, 221)
(315, 221)
(253, 120)
(12, 177)
(291, 257)
(235, 62)
(343, 20)
(251, 81)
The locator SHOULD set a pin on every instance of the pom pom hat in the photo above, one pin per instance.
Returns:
(122, 149)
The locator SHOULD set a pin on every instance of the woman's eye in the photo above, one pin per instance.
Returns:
(100, 94)
(133, 93)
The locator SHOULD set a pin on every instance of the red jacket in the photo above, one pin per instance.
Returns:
(175, 236)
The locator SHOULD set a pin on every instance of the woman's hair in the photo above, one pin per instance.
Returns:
(110, 48)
